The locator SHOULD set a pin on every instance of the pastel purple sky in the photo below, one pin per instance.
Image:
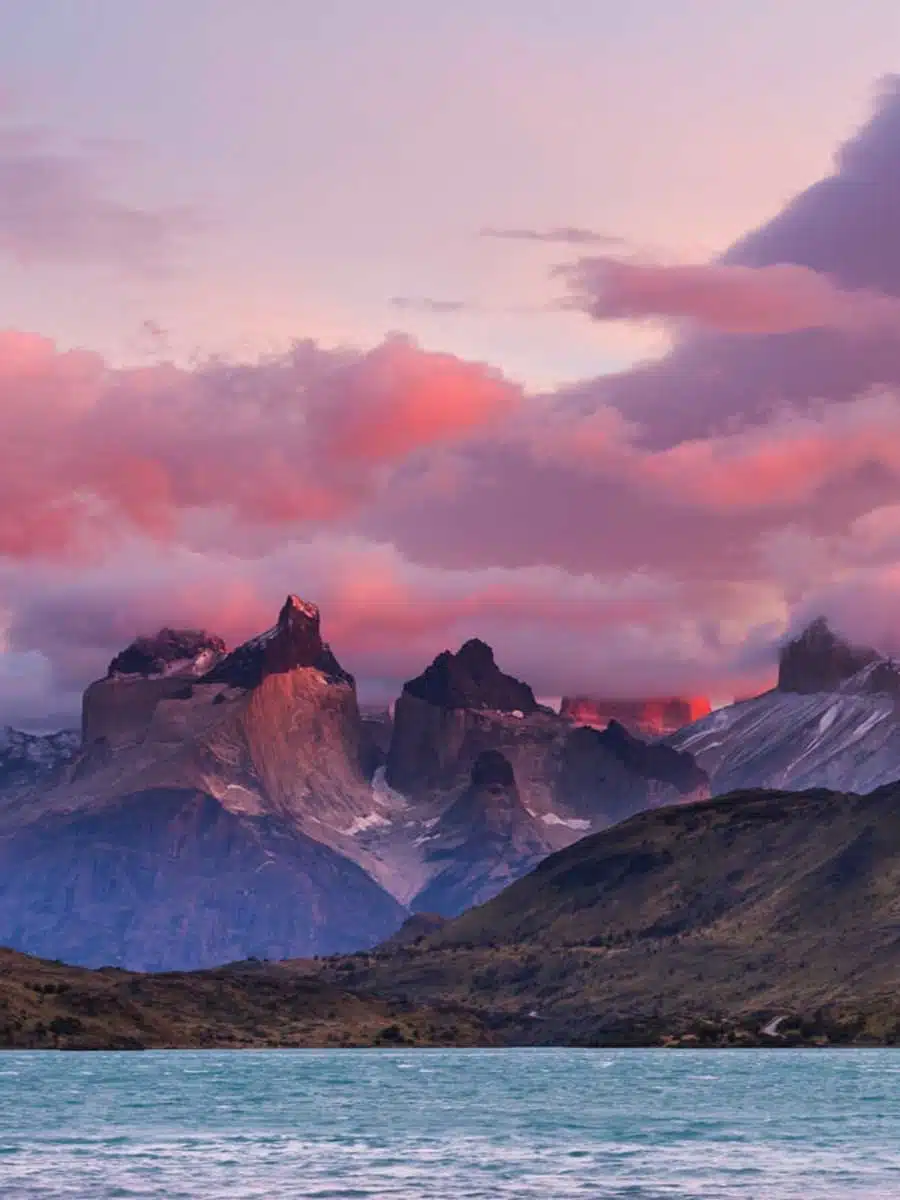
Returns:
(192, 180)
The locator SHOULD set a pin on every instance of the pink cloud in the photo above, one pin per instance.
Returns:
(783, 298)
(88, 451)
(396, 400)
(649, 532)
(689, 463)
(781, 464)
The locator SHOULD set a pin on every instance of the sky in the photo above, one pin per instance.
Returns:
(571, 326)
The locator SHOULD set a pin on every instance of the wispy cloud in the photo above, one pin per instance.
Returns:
(428, 305)
(58, 205)
(567, 235)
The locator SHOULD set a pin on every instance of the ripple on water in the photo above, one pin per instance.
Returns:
(460, 1124)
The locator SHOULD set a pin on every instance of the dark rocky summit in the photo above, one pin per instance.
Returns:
(484, 840)
(651, 760)
(295, 641)
(492, 774)
(820, 661)
(458, 707)
(155, 654)
(613, 773)
(471, 679)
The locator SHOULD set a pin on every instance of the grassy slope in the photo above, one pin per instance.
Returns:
(704, 920)
(45, 1005)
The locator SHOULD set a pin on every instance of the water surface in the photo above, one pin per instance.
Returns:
(452, 1124)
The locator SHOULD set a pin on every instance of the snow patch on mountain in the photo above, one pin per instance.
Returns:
(372, 820)
(552, 818)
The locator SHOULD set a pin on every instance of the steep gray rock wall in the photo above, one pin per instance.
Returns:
(169, 879)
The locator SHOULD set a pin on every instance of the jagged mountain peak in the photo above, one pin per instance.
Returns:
(587, 749)
(832, 721)
(34, 758)
(820, 660)
(304, 608)
(486, 838)
(293, 642)
(477, 656)
(491, 800)
(168, 651)
(471, 679)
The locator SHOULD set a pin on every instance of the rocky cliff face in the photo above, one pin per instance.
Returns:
(265, 744)
(181, 651)
(170, 879)
(483, 841)
(438, 711)
(647, 718)
(567, 781)
(273, 726)
(606, 776)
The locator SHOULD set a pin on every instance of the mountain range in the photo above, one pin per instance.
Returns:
(221, 804)
(469, 866)
(224, 804)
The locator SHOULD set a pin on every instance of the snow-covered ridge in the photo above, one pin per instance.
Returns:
(31, 757)
(878, 678)
(848, 739)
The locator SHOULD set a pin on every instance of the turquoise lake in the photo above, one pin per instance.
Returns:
(451, 1124)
